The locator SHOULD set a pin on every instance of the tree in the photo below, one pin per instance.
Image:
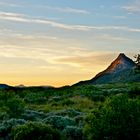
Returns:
(137, 61)
(117, 119)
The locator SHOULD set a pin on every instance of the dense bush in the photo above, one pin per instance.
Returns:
(33, 115)
(67, 102)
(35, 98)
(97, 98)
(3, 115)
(11, 104)
(35, 131)
(118, 118)
(16, 106)
(73, 133)
(69, 112)
(59, 122)
(7, 125)
(135, 90)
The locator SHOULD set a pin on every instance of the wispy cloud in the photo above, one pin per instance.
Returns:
(66, 10)
(86, 60)
(34, 37)
(23, 18)
(52, 8)
(8, 4)
(133, 8)
(119, 17)
(112, 38)
(8, 14)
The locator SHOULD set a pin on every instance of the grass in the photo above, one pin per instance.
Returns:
(76, 103)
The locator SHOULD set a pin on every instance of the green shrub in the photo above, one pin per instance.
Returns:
(11, 104)
(16, 106)
(97, 98)
(73, 133)
(4, 115)
(7, 125)
(35, 131)
(36, 98)
(69, 112)
(135, 90)
(33, 115)
(67, 102)
(59, 122)
(119, 118)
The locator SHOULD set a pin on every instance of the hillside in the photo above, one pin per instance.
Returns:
(121, 70)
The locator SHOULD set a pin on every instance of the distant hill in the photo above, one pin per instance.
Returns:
(121, 70)
(3, 86)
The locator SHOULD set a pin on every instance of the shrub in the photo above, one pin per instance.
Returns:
(35, 131)
(7, 125)
(4, 115)
(67, 102)
(36, 98)
(33, 115)
(135, 90)
(73, 133)
(70, 112)
(117, 119)
(98, 98)
(16, 106)
(59, 121)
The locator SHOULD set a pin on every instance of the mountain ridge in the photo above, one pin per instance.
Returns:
(120, 70)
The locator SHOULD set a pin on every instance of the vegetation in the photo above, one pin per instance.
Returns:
(137, 57)
(35, 131)
(90, 112)
(117, 118)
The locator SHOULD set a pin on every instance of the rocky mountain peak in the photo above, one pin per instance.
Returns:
(121, 70)
(120, 63)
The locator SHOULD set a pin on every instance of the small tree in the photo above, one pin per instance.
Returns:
(117, 119)
(137, 61)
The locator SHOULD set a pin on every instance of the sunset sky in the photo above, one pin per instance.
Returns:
(61, 42)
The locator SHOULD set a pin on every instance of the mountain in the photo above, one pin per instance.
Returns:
(3, 86)
(120, 70)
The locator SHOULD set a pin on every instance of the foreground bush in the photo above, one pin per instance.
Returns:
(119, 118)
(16, 107)
(35, 131)
(59, 122)
(73, 133)
(7, 125)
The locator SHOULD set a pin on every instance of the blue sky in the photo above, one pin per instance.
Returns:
(60, 42)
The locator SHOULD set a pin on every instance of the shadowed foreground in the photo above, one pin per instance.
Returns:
(109, 111)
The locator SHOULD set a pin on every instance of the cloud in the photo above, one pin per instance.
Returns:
(8, 14)
(8, 4)
(66, 10)
(35, 37)
(23, 18)
(133, 8)
(52, 8)
(112, 38)
(7, 60)
(13, 17)
(87, 60)
(119, 17)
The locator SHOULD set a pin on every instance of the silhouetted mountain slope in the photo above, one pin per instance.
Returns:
(120, 70)
(3, 86)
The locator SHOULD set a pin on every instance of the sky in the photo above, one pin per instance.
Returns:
(61, 42)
